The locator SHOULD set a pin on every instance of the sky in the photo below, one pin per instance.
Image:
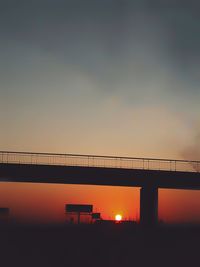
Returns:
(109, 77)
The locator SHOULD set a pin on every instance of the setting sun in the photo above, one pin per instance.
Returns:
(118, 217)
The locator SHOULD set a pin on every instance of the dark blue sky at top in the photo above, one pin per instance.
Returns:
(74, 31)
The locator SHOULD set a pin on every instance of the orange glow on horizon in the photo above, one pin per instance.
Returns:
(45, 202)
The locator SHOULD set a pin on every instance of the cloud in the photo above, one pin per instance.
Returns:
(192, 149)
(62, 62)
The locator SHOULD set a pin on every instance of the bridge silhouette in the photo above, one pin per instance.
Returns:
(147, 173)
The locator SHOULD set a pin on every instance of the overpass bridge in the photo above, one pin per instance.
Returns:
(147, 173)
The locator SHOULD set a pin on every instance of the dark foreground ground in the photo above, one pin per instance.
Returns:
(99, 245)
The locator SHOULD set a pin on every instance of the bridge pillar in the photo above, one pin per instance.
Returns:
(149, 205)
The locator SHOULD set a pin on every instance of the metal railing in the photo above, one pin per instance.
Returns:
(99, 161)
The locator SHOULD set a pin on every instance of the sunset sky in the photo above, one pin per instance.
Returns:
(109, 77)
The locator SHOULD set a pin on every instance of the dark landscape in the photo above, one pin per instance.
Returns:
(99, 245)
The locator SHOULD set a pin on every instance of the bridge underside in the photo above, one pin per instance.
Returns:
(148, 180)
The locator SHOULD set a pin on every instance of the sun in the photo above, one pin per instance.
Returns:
(118, 217)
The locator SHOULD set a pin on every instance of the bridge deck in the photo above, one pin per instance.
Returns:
(99, 161)
(98, 170)
(10, 172)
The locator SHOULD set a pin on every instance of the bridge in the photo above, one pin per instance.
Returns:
(147, 173)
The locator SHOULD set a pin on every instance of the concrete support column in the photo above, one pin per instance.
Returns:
(149, 205)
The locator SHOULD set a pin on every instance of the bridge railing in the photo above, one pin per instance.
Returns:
(99, 161)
